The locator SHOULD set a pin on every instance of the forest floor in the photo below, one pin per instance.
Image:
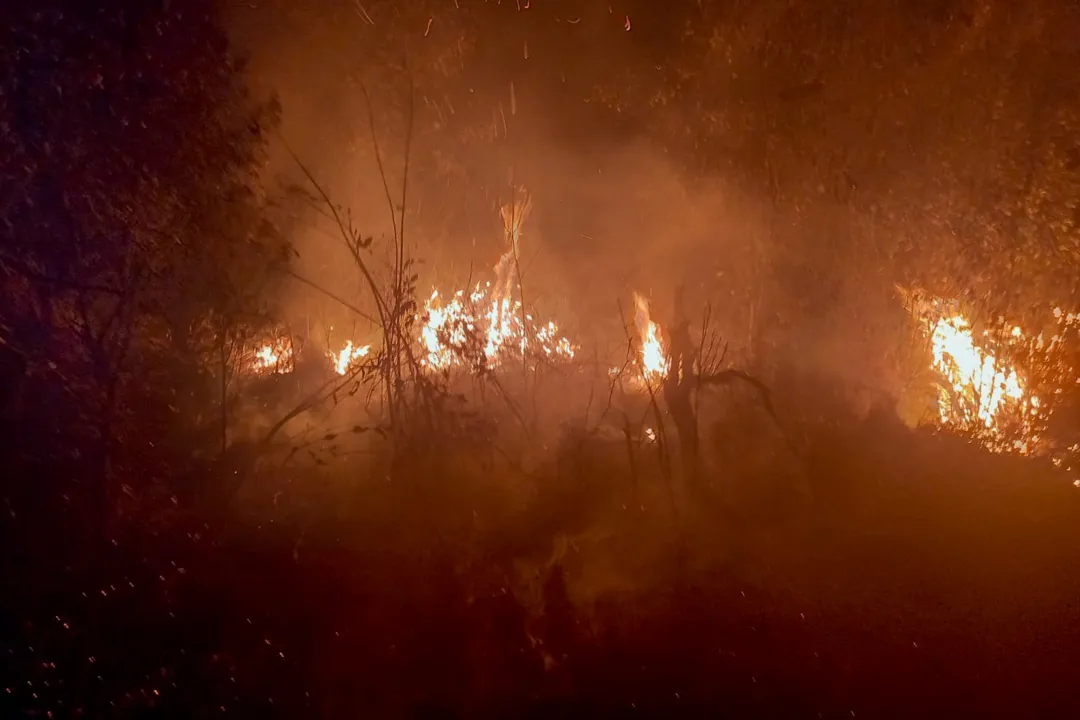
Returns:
(928, 579)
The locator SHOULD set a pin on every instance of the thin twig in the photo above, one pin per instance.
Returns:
(345, 234)
(725, 377)
(346, 304)
(378, 154)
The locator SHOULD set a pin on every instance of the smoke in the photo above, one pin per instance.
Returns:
(612, 213)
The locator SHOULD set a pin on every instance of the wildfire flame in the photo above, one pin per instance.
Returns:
(344, 359)
(988, 377)
(479, 328)
(273, 357)
(652, 356)
(986, 385)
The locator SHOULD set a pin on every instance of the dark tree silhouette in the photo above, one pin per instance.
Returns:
(131, 232)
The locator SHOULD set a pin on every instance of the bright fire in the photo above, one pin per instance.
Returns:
(983, 388)
(652, 356)
(985, 394)
(271, 358)
(347, 356)
(474, 330)
(479, 328)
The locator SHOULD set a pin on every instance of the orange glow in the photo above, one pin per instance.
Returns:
(987, 384)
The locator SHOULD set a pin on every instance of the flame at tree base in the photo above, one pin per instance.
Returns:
(653, 357)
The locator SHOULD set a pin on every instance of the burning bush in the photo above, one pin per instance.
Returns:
(997, 382)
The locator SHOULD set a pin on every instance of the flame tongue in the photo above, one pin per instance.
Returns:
(972, 372)
(347, 356)
(654, 361)
(982, 394)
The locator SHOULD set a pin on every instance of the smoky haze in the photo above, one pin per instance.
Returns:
(788, 168)
(801, 439)
(615, 208)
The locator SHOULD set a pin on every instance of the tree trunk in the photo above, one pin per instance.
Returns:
(103, 490)
(224, 396)
(678, 389)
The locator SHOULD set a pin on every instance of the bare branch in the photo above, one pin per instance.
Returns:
(346, 235)
(346, 304)
(378, 154)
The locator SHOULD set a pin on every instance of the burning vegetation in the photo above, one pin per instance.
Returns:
(658, 460)
(653, 358)
(999, 385)
(273, 357)
(348, 356)
(478, 329)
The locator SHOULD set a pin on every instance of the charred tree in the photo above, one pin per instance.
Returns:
(678, 388)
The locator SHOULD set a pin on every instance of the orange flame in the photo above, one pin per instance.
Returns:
(973, 371)
(652, 356)
(982, 393)
(271, 358)
(481, 327)
(344, 359)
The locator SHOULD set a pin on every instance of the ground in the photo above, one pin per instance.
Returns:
(928, 579)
